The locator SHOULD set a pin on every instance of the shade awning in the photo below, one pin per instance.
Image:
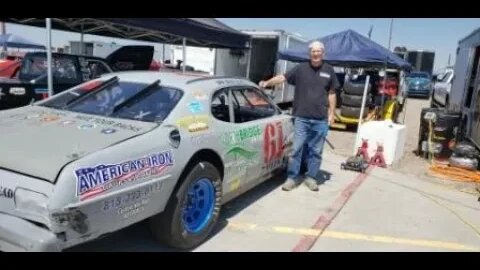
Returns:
(200, 32)
(348, 48)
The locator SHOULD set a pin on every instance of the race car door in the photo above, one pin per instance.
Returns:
(261, 127)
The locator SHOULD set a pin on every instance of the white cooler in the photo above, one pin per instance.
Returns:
(391, 135)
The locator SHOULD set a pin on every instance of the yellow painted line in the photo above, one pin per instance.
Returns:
(394, 240)
(351, 236)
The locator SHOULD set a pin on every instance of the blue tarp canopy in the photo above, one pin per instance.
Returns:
(201, 32)
(348, 49)
(14, 41)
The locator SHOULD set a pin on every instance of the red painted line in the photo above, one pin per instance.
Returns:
(307, 241)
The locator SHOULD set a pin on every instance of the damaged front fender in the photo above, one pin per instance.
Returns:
(71, 218)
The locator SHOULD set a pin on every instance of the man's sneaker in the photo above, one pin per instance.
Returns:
(311, 184)
(289, 184)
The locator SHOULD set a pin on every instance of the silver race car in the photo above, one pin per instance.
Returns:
(130, 146)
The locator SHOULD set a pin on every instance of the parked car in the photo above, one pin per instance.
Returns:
(29, 82)
(419, 84)
(130, 146)
(442, 87)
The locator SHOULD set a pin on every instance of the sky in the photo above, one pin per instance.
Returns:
(439, 35)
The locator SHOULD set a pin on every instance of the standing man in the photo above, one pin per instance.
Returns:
(314, 106)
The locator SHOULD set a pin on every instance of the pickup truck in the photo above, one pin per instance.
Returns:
(29, 83)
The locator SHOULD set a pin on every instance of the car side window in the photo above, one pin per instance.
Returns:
(220, 105)
(446, 77)
(97, 69)
(252, 105)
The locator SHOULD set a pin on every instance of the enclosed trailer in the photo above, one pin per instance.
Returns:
(421, 60)
(260, 61)
(466, 86)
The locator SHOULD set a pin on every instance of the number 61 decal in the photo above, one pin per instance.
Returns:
(273, 142)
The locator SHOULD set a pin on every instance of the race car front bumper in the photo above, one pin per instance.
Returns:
(17, 234)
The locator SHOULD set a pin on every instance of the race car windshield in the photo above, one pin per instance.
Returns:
(127, 100)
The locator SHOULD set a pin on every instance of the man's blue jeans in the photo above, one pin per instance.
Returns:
(309, 136)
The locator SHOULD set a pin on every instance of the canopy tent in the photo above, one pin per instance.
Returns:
(201, 32)
(14, 41)
(349, 49)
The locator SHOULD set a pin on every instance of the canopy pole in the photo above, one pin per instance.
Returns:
(4, 31)
(360, 118)
(390, 34)
(82, 51)
(249, 59)
(285, 84)
(49, 57)
(386, 66)
(184, 55)
(163, 54)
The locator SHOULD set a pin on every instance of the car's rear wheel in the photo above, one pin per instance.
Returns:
(193, 209)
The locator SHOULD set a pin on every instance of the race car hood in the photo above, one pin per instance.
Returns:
(38, 141)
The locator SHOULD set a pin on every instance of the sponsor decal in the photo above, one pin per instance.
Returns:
(86, 126)
(93, 181)
(203, 138)
(67, 122)
(273, 145)
(187, 121)
(131, 197)
(49, 118)
(229, 82)
(132, 210)
(195, 107)
(6, 193)
(105, 122)
(195, 127)
(240, 136)
(199, 95)
(109, 130)
(238, 151)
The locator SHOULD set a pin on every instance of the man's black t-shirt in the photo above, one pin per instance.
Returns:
(312, 85)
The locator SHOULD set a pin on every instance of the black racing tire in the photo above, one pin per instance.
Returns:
(465, 149)
(353, 112)
(354, 101)
(169, 226)
(356, 88)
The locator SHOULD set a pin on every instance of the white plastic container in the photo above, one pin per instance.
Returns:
(392, 136)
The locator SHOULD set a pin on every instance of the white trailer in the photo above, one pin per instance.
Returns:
(465, 92)
(260, 61)
(201, 59)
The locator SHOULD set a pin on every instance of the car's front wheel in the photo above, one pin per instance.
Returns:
(193, 209)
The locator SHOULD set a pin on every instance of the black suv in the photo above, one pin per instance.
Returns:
(30, 82)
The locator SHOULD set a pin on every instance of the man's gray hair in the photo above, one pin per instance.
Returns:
(316, 43)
